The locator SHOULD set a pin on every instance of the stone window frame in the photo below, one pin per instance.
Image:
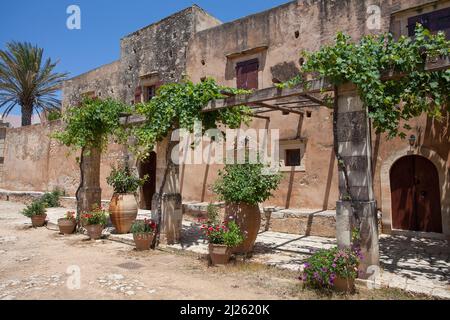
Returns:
(292, 144)
(234, 58)
(399, 19)
(146, 81)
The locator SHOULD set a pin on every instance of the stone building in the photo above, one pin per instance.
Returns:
(255, 52)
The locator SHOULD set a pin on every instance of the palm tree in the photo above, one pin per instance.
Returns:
(28, 81)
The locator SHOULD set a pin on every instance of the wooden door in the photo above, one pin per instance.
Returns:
(148, 167)
(415, 195)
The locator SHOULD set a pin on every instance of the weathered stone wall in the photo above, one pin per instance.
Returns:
(35, 162)
(159, 50)
(194, 43)
(276, 37)
(101, 82)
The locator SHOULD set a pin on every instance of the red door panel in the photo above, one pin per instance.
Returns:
(415, 195)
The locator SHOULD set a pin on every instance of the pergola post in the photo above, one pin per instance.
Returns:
(168, 187)
(90, 192)
(357, 207)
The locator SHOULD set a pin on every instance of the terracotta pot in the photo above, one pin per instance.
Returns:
(248, 218)
(66, 226)
(38, 221)
(123, 210)
(94, 231)
(220, 254)
(143, 241)
(344, 285)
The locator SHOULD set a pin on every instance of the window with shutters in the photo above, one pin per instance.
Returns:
(434, 21)
(138, 95)
(149, 93)
(247, 74)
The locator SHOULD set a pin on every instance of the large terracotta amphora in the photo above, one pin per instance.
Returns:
(248, 218)
(123, 210)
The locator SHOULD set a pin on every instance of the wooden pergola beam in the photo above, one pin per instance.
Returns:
(278, 108)
(437, 64)
(255, 115)
(267, 94)
(313, 99)
(299, 102)
(133, 119)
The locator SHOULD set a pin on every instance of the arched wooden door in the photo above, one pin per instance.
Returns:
(415, 195)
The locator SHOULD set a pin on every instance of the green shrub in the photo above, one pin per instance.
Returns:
(143, 226)
(97, 215)
(228, 234)
(324, 266)
(123, 181)
(51, 199)
(36, 208)
(54, 115)
(245, 183)
(212, 213)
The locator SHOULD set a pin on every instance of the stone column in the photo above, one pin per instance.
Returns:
(356, 192)
(171, 207)
(90, 192)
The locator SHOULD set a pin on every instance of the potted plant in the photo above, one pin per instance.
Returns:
(222, 237)
(123, 207)
(94, 221)
(68, 223)
(333, 268)
(243, 187)
(37, 212)
(143, 233)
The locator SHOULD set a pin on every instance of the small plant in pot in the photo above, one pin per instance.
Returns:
(222, 237)
(94, 221)
(123, 207)
(67, 224)
(37, 212)
(243, 187)
(332, 269)
(143, 233)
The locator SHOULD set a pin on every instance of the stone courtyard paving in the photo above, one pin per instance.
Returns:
(419, 266)
(411, 264)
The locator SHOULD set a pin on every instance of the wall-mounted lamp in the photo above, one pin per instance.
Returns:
(412, 140)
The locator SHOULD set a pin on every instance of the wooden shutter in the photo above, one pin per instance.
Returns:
(137, 94)
(438, 20)
(247, 74)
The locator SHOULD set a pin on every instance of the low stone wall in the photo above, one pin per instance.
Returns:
(293, 221)
(301, 222)
(319, 223)
(27, 197)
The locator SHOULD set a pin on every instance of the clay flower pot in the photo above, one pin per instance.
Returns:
(38, 221)
(143, 240)
(219, 254)
(123, 210)
(248, 218)
(66, 226)
(344, 285)
(94, 231)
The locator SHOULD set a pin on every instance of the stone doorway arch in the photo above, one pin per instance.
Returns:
(444, 188)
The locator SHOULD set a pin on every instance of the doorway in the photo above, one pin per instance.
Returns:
(415, 195)
(147, 167)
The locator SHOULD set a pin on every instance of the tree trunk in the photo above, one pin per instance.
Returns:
(27, 113)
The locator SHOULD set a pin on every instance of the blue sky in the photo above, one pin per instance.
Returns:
(103, 23)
